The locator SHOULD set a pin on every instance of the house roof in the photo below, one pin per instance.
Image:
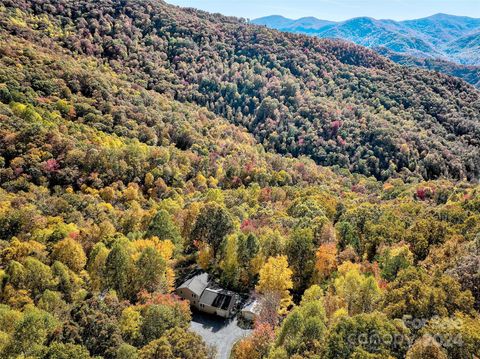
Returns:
(252, 307)
(221, 299)
(196, 284)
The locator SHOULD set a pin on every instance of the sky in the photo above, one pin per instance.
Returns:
(336, 10)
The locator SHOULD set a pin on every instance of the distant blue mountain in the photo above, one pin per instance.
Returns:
(447, 37)
(444, 43)
(301, 25)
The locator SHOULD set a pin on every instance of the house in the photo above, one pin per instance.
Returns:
(251, 310)
(206, 297)
(193, 289)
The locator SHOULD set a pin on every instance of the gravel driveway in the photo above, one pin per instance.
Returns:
(217, 332)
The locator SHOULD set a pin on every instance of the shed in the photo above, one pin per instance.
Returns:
(251, 310)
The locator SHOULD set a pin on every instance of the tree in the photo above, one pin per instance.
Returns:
(418, 294)
(127, 351)
(371, 334)
(31, 333)
(459, 335)
(393, 260)
(213, 224)
(67, 282)
(163, 227)
(257, 345)
(65, 351)
(96, 266)
(158, 318)
(94, 324)
(118, 268)
(466, 272)
(426, 347)
(326, 260)
(150, 271)
(300, 251)
(176, 343)
(312, 294)
(38, 276)
(229, 265)
(129, 324)
(53, 303)
(70, 253)
(248, 247)
(276, 277)
(272, 243)
(359, 292)
(303, 329)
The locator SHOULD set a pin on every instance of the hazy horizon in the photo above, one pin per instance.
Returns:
(336, 10)
(364, 16)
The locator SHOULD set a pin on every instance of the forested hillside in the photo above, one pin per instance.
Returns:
(470, 74)
(126, 159)
(335, 102)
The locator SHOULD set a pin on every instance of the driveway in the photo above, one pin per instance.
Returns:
(217, 332)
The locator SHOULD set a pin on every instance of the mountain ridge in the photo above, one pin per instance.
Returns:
(441, 36)
(338, 103)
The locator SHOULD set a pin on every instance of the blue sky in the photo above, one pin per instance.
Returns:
(336, 9)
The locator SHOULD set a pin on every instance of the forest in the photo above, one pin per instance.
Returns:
(337, 103)
(338, 186)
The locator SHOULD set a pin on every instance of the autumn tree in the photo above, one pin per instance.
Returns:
(118, 269)
(70, 253)
(304, 328)
(393, 260)
(300, 251)
(58, 350)
(176, 343)
(414, 292)
(150, 271)
(359, 292)
(459, 334)
(257, 345)
(362, 336)
(426, 347)
(31, 333)
(276, 277)
(326, 260)
(158, 318)
(213, 224)
(163, 227)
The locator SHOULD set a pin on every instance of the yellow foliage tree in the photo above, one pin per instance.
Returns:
(276, 277)
(96, 266)
(70, 253)
(18, 250)
(165, 248)
(359, 292)
(130, 322)
(326, 260)
(205, 255)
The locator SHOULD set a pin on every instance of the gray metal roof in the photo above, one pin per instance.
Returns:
(254, 306)
(222, 299)
(208, 296)
(196, 284)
